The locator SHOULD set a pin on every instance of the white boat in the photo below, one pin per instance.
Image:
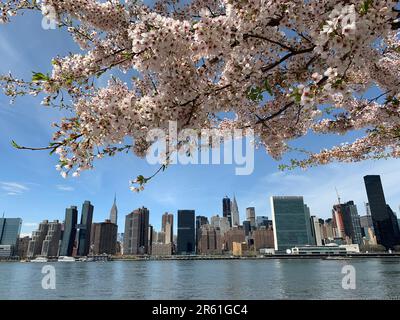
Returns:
(40, 260)
(66, 259)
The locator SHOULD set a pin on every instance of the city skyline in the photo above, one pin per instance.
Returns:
(292, 181)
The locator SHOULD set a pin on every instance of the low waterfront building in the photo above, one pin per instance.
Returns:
(351, 248)
(263, 238)
(267, 251)
(233, 235)
(240, 249)
(209, 240)
(161, 249)
(6, 251)
(319, 250)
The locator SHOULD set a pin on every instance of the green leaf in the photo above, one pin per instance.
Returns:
(365, 7)
(38, 76)
(15, 145)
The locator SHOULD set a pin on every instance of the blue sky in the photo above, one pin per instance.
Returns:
(32, 189)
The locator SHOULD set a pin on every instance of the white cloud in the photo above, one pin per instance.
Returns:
(13, 188)
(62, 187)
(30, 224)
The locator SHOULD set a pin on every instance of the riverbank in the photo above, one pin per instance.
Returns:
(266, 257)
(382, 255)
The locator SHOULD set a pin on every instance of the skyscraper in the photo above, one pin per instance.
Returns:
(104, 237)
(51, 243)
(263, 221)
(235, 213)
(209, 240)
(289, 222)
(381, 216)
(38, 236)
(186, 232)
(315, 231)
(84, 229)
(10, 229)
(395, 223)
(136, 237)
(337, 220)
(69, 234)
(200, 221)
(167, 226)
(310, 232)
(246, 227)
(221, 223)
(114, 212)
(226, 210)
(251, 216)
(351, 221)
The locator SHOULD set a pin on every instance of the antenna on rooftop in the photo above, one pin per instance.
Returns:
(337, 193)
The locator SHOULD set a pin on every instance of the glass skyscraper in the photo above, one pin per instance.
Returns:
(69, 234)
(84, 229)
(136, 236)
(10, 229)
(382, 217)
(226, 209)
(289, 222)
(186, 232)
(351, 221)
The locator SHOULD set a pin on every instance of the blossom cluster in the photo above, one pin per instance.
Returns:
(282, 67)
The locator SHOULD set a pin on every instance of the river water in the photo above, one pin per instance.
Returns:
(226, 279)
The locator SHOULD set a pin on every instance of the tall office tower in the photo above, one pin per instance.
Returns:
(168, 218)
(381, 216)
(315, 231)
(38, 236)
(227, 210)
(186, 232)
(168, 233)
(51, 243)
(84, 229)
(136, 236)
(150, 239)
(103, 238)
(289, 221)
(200, 221)
(22, 245)
(233, 235)
(338, 224)
(10, 229)
(209, 240)
(114, 212)
(263, 237)
(310, 233)
(235, 213)
(263, 221)
(221, 223)
(251, 216)
(395, 223)
(69, 234)
(328, 235)
(351, 221)
(246, 227)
